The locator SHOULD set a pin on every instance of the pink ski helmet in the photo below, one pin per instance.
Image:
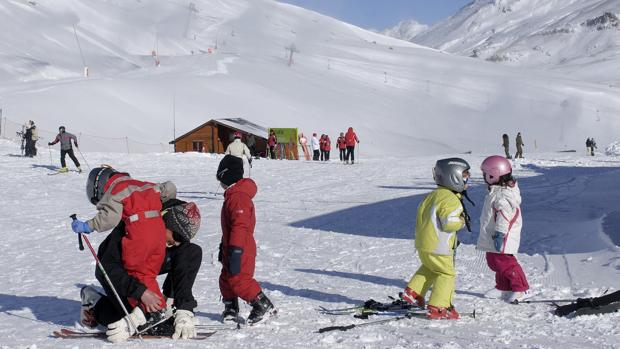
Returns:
(237, 134)
(494, 167)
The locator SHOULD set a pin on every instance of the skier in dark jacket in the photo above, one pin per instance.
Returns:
(31, 136)
(66, 148)
(520, 144)
(181, 265)
(238, 247)
(506, 145)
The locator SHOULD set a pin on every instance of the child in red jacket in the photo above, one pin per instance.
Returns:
(238, 247)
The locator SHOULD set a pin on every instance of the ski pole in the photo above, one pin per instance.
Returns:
(107, 279)
(80, 244)
(351, 326)
(83, 158)
(51, 162)
(547, 301)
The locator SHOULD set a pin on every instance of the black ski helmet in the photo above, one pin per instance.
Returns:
(61, 129)
(97, 178)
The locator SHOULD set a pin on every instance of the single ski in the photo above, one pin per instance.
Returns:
(67, 333)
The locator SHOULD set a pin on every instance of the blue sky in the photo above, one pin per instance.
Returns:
(382, 14)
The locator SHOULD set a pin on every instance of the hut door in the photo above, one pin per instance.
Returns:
(198, 146)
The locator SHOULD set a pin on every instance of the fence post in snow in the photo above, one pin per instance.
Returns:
(127, 143)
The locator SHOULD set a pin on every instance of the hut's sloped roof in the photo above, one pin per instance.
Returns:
(235, 123)
(245, 126)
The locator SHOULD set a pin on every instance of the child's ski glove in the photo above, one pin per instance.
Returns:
(498, 239)
(80, 227)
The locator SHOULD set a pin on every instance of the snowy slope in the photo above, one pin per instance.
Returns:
(401, 98)
(328, 235)
(576, 37)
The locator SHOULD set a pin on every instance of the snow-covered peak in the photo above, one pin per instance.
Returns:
(575, 36)
(406, 30)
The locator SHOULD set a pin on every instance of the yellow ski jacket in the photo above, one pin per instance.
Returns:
(438, 219)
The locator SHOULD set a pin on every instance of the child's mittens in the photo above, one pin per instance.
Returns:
(498, 239)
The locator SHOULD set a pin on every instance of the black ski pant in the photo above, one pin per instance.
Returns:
(326, 155)
(350, 154)
(181, 265)
(30, 150)
(69, 152)
(343, 154)
(315, 156)
(272, 152)
(322, 155)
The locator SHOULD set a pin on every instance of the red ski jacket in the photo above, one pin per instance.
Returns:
(238, 218)
(351, 138)
(342, 143)
(327, 144)
(272, 141)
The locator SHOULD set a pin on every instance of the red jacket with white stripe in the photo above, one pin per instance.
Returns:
(501, 213)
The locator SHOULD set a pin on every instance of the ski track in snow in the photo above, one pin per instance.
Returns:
(328, 235)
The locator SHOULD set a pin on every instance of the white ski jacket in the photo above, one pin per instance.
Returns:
(501, 213)
(240, 150)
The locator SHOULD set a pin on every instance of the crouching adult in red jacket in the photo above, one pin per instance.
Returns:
(238, 247)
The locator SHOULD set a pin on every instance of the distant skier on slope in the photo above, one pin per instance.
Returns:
(342, 146)
(500, 228)
(66, 148)
(238, 247)
(439, 217)
(350, 139)
(182, 262)
(239, 149)
(31, 136)
(272, 141)
(119, 197)
(506, 145)
(520, 145)
(316, 147)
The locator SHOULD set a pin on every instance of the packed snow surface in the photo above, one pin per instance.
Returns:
(328, 235)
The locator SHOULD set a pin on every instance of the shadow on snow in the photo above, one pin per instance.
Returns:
(554, 195)
(55, 310)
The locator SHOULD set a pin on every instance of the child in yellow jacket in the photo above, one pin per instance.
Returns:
(439, 217)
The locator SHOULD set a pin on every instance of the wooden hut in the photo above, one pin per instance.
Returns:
(214, 136)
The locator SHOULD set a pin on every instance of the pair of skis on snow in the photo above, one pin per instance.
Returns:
(397, 310)
(202, 332)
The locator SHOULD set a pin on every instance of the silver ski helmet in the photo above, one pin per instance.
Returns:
(97, 178)
(449, 173)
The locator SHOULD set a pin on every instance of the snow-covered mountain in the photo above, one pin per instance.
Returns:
(406, 30)
(575, 37)
(229, 58)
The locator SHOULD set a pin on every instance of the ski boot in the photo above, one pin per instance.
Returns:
(261, 306)
(153, 320)
(231, 311)
(411, 297)
(63, 169)
(90, 297)
(514, 297)
(436, 313)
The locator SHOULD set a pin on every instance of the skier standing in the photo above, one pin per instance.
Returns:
(322, 147)
(500, 228)
(520, 144)
(31, 135)
(592, 146)
(182, 262)
(327, 147)
(350, 139)
(271, 142)
(66, 148)
(439, 217)
(506, 145)
(589, 150)
(238, 247)
(239, 149)
(316, 147)
(118, 198)
(342, 146)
